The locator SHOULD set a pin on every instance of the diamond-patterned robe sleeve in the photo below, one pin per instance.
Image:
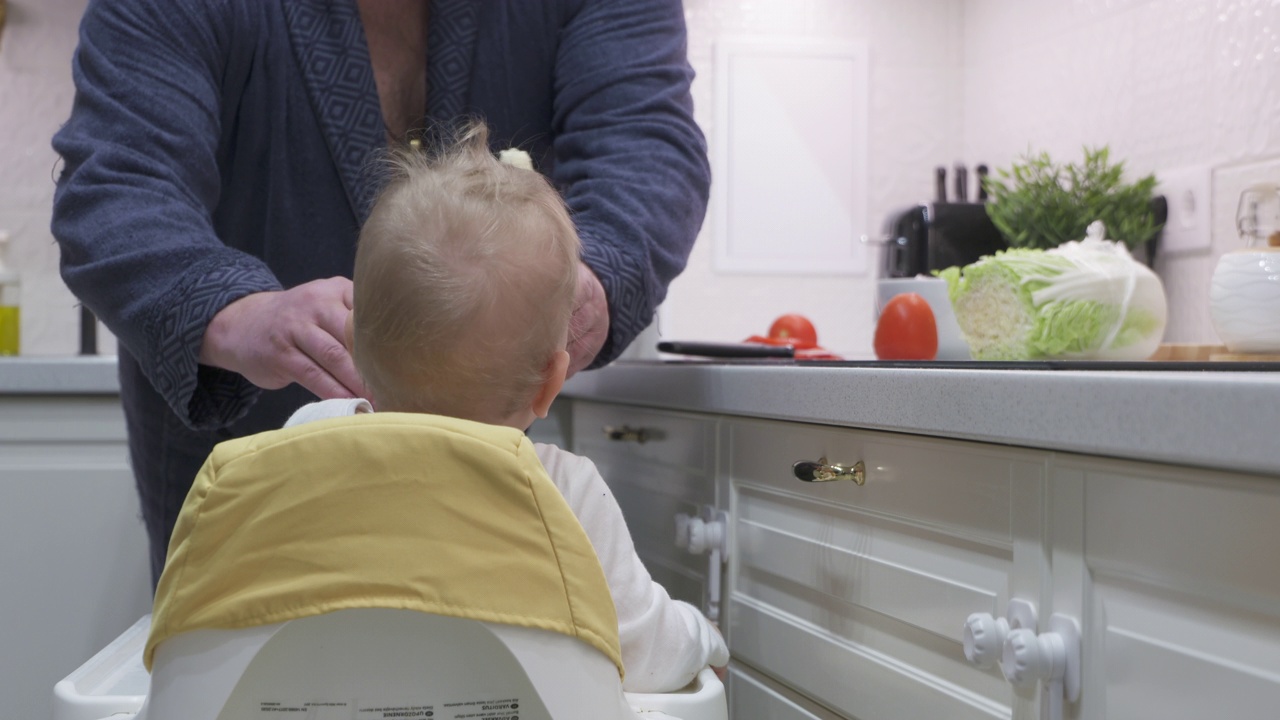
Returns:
(629, 155)
(132, 207)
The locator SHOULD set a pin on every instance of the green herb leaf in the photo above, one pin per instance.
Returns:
(1038, 203)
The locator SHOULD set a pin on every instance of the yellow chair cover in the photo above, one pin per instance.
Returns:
(384, 510)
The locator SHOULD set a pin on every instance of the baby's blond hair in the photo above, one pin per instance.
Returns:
(464, 283)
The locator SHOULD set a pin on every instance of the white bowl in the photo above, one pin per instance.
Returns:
(1244, 301)
(951, 343)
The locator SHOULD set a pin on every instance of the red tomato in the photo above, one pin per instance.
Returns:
(795, 330)
(906, 330)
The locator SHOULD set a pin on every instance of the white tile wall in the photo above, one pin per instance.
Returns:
(915, 122)
(35, 97)
(1167, 83)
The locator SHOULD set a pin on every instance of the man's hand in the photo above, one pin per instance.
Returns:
(589, 326)
(277, 338)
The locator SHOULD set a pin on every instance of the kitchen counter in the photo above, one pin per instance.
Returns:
(88, 375)
(1223, 420)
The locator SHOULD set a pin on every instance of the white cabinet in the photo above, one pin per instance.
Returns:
(856, 595)
(848, 602)
(756, 697)
(660, 466)
(73, 552)
(1174, 572)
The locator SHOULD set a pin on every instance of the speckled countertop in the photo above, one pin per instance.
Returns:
(81, 375)
(1226, 420)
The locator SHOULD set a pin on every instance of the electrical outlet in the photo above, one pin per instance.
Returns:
(1188, 192)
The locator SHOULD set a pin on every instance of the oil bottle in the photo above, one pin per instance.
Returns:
(10, 289)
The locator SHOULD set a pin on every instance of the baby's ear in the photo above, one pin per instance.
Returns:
(557, 371)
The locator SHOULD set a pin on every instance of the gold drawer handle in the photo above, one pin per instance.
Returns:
(626, 433)
(822, 471)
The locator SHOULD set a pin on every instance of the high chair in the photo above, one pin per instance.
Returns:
(272, 606)
(202, 672)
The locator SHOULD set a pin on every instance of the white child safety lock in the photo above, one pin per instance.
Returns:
(707, 532)
(1025, 656)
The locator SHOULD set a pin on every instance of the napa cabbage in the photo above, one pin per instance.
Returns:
(1086, 300)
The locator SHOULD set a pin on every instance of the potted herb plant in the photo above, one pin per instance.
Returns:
(1039, 203)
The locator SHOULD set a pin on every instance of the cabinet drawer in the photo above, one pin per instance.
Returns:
(961, 488)
(754, 697)
(670, 473)
(682, 445)
(857, 595)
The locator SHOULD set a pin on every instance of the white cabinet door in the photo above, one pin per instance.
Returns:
(659, 465)
(1176, 576)
(856, 596)
(73, 552)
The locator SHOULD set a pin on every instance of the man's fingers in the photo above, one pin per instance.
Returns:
(316, 379)
(280, 337)
(348, 295)
(331, 367)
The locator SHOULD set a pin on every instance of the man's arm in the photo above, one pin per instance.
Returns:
(132, 217)
(631, 158)
(140, 179)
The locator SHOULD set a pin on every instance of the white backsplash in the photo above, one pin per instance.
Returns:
(914, 122)
(1166, 83)
(35, 98)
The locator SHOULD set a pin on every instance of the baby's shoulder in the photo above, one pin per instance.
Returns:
(561, 462)
(581, 485)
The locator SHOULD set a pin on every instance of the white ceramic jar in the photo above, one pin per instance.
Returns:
(1244, 295)
(1244, 301)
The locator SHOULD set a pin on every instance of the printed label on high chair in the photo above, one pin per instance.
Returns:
(311, 710)
(411, 712)
(484, 709)
(487, 709)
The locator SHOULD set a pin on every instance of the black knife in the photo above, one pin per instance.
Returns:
(726, 350)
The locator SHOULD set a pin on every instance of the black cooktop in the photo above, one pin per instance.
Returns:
(1097, 365)
(750, 353)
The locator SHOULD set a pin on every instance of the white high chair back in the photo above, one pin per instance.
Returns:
(388, 566)
(381, 663)
(210, 674)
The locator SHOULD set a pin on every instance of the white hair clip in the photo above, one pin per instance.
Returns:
(515, 158)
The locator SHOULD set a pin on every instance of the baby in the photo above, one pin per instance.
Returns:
(464, 283)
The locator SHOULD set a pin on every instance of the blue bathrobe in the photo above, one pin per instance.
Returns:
(217, 149)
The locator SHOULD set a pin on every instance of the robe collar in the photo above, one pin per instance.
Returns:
(329, 44)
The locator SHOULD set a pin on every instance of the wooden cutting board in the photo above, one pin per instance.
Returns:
(1189, 352)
